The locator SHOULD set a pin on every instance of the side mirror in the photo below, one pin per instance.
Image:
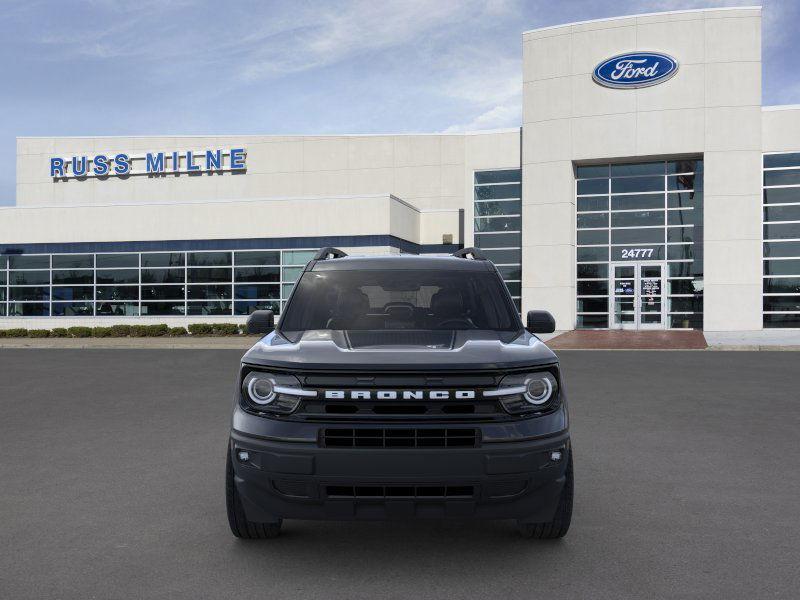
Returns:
(261, 321)
(540, 321)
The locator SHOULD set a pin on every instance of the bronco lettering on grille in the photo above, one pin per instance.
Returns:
(399, 394)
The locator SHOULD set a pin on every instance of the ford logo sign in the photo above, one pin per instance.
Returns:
(635, 70)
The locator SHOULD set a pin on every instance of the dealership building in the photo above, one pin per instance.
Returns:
(646, 188)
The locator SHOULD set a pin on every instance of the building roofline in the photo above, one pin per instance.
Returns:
(652, 14)
(781, 107)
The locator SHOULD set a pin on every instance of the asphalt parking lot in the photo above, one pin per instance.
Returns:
(111, 486)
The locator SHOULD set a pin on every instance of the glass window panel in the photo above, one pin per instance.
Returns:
(498, 224)
(29, 293)
(782, 267)
(593, 288)
(680, 234)
(162, 309)
(163, 276)
(162, 292)
(694, 304)
(592, 271)
(29, 277)
(498, 176)
(685, 200)
(684, 166)
(787, 320)
(681, 269)
(694, 321)
(298, 257)
(788, 177)
(266, 257)
(73, 277)
(3, 262)
(220, 307)
(28, 309)
(2, 277)
(782, 195)
(29, 261)
(780, 249)
(592, 236)
(246, 308)
(209, 259)
(637, 202)
(638, 218)
(789, 159)
(638, 252)
(782, 303)
(592, 186)
(257, 274)
(494, 192)
(782, 213)
(117, 292)
(256, 292)
(164, 259)
(592, 321)
(512, 273)
(117, 309)
(118, 276)
(504, 257)
(498, 240)
(514, 288)
(292, 273)
(593, 305)
(782, 231)
(209, 275)
(2, 294)
(3, 307)
(637, 236)
(782, 285)
(113, 261)
(84, 292)
(587, 171)
(683, 217)
(636, 184)
(684, 182)
(595, 203)
(73, 261)
(73, 309)
(589, 254)
(208, 292)
(648, 168)
(501, 207)
(685, 286)
(680, 252)
(287, 289)
(593, 220)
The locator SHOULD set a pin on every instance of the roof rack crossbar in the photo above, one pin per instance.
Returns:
(328, 252)
(473, 253)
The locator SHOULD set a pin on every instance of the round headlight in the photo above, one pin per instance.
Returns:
(538, 390)
(261, 390)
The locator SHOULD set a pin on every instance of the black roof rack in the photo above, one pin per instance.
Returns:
(326, 253)
(474, 253)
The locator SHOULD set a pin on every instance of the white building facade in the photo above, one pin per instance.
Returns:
(654, 192)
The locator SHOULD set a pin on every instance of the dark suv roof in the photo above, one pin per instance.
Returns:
(401, 262)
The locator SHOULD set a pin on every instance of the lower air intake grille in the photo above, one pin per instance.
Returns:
(400, 438)
(399, 491)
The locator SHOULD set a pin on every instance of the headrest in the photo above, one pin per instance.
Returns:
(447, 303)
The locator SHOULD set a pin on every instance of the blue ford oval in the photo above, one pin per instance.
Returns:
(635, 70)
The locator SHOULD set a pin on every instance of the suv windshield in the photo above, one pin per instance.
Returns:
(406, 300)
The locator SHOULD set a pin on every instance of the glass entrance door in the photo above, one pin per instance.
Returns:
(637, 295)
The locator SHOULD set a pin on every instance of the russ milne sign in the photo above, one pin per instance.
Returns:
(635, 70)
(151, 163)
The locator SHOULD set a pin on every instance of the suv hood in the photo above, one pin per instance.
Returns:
(400, 350)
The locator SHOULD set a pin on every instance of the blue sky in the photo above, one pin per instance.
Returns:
(104, 67)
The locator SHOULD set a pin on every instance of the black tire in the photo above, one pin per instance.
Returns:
(240, 526)
(558, 527)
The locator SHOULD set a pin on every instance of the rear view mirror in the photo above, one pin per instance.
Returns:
(540, 321)
(261, 321)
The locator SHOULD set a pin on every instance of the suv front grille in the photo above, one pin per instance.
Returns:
(399, 491)
(400, 438)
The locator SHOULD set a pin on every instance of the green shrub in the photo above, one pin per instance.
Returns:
(177, 331)
(38, 333)
(138, 331)
(2, 333)
(120, 330)
(157, 330)
(242, 328)
(80, 332)
(59, 332)
(225, 329)
(201, 329)
(17, 332)
(101, 332)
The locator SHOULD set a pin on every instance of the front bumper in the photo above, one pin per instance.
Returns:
(515, 479)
